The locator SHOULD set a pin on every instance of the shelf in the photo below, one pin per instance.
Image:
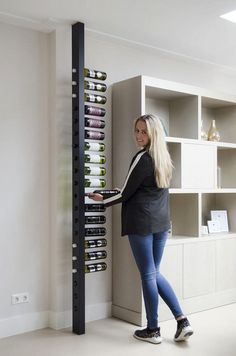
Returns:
(174, 240)
(178, 111)
(224, 113)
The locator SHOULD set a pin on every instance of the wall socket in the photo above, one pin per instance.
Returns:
(20, 298)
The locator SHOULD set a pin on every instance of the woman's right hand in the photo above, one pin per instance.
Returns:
(95, 196)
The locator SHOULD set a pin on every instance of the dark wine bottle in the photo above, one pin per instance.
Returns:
(96, 74)
(95, 255)
(94, 135)
(94, 110)
(95, 231)
(94, 208)
(88, 85)
(94, 182)
(107, 193)
(94, 171)
(98, 124)
(93, 98)
(95, 243)
(90, 158)
(94, 146)
(95, 267)
(98, 219)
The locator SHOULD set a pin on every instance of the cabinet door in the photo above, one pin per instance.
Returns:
(198, 166)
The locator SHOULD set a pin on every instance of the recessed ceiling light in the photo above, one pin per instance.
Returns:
(230, 16)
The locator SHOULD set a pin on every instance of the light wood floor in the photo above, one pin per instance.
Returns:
(215, 335)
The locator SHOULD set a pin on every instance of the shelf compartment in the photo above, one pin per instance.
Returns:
(219, 201)
(226, 167)
(175, 154)
(178, 111)
(184, 214)
(224, 113)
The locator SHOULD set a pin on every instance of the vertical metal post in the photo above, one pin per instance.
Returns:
(78, 189)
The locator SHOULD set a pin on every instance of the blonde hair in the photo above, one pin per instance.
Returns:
(157, 149)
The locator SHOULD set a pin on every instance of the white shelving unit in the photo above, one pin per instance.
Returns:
(193, 263)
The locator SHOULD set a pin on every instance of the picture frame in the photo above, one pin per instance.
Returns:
(221, 216)
(213, 226)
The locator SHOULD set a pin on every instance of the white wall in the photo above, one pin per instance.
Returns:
(24, 177)
(35, 156)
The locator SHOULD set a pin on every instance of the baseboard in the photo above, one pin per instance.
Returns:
(93, 312)
(56, 320)
(23, 323)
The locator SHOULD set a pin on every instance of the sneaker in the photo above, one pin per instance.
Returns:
(148, 335)
(184, 330)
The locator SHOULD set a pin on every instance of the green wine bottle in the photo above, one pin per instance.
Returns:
(97, 74)
(95, 255)
(94, 171)
(88, 158)
(95, 243)
(93, 98)
(95, 86)
(94, 183)
(95, 267)
(94, 146)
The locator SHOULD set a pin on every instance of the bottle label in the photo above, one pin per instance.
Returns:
(93, 146)
(95, 159)
(95, 183)
(92, 73)
(96, 171)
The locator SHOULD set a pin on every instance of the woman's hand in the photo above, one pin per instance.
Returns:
(95, 196)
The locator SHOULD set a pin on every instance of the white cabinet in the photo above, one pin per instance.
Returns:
(204, 179)
(198, 166)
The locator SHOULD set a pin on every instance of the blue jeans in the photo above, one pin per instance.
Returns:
(148, 251)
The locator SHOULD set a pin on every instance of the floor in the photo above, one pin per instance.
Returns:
(215, 335)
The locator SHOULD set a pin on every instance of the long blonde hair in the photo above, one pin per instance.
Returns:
(157, 149)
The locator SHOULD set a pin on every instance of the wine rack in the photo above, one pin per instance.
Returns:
(88, 171)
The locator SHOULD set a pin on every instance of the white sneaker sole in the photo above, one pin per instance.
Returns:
(153, 340)
(185, 334)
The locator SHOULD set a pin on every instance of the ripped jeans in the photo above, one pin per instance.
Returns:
(148, 251)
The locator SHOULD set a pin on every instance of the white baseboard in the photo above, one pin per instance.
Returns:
(92, 312)
(23, 323)
(28, 322)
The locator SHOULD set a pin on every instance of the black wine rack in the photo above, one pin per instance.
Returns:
(78, 190)
(89, 128)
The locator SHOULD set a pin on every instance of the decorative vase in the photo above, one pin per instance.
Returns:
(213, 133)
(204, 135)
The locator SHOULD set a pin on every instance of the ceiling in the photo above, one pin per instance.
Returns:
(190, 28)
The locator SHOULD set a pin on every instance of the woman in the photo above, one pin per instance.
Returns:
(146, 221)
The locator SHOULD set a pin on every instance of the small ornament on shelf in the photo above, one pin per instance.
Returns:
(213, 133)
(204, 135)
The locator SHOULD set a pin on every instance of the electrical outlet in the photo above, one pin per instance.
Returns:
(20, 298)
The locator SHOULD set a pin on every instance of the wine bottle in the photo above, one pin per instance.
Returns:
(93, 98)
(88, 158)
(95, 231)
(98, 124)
(95, 243)
(94, 135)
(95, 267)
(95, 208)
(98, 219)
(107, 193)
(94, 146)
(95, 255)
(97, 74)
(88, 85)
(94, 171)
(94, 182)
(94, 110)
